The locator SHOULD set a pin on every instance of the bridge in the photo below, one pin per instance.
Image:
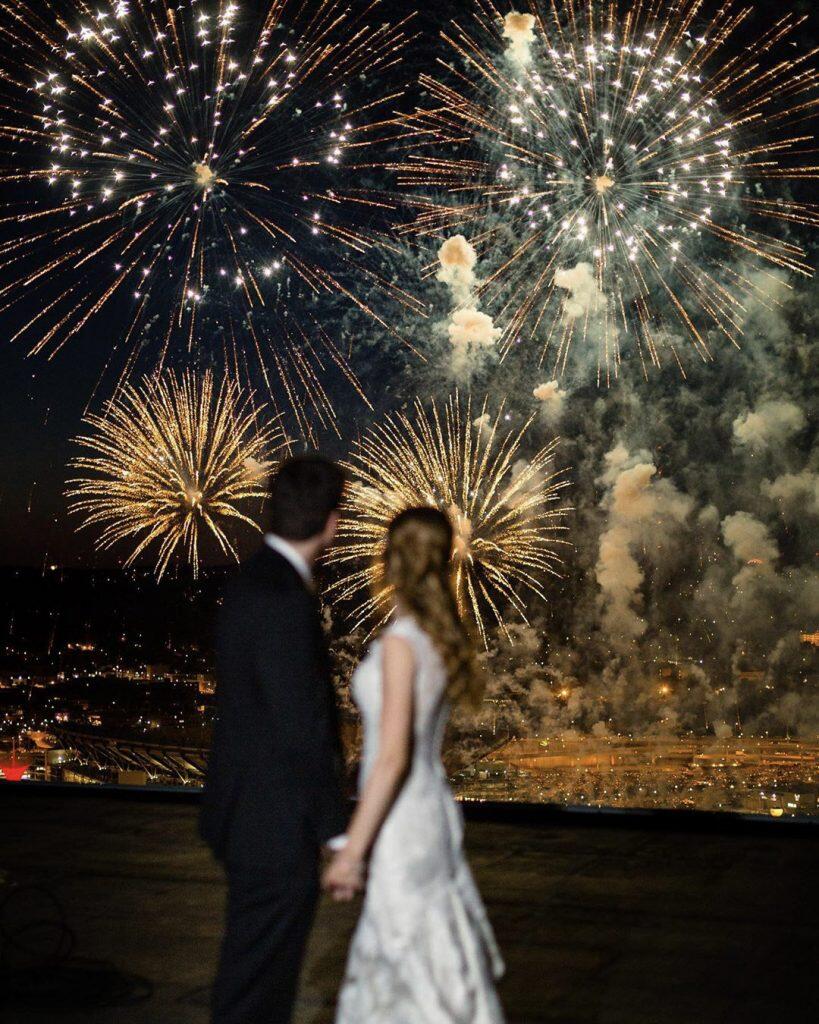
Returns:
(160, 761)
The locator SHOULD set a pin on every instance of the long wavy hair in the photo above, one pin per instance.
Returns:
(417, 566)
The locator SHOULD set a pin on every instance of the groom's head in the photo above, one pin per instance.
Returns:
(305, 496)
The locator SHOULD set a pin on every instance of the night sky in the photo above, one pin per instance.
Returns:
(43, 401)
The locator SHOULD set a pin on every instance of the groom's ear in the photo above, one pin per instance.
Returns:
(332, 526)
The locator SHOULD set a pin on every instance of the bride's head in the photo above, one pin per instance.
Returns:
(418, 568)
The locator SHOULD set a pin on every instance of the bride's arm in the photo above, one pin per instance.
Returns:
(387, 773)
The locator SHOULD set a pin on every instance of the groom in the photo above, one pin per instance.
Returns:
(273, 796)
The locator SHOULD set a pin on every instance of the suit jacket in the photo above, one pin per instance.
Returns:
(273, 783)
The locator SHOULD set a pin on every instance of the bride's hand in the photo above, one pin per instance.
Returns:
(344, 876)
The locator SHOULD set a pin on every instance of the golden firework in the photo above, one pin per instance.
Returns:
(504, 508)
(195, 167)
(618, 167)
(170, 460)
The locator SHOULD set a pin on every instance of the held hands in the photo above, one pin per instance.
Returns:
(344, 876)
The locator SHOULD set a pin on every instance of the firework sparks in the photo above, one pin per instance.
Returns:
(639, 148)
(503, 508)
(170, 460)
(197, 170)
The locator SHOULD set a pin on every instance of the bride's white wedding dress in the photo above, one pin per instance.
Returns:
(423, 951)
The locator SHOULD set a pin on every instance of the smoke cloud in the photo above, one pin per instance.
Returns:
(643, 514)
(470, 331)
(585, 297)
(797, 493)
(552, 399)
(472, 334)
(694, 575)
(749, 539)
(772, 423)
(457, 260)
(483, 423)
(519, 29)
(256, 470)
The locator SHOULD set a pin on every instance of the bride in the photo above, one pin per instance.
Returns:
(423, 951)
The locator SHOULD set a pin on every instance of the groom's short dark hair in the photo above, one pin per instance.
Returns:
(303, 492)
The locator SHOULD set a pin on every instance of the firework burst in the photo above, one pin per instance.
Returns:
(616, 164)
(172, 460)
(197, 170)
(503, 508)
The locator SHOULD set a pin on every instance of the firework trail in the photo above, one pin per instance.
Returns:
(613, 164)
(504, 508)
(196, 170)
(170, 460)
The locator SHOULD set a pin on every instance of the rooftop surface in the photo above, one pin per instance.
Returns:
(615, 923)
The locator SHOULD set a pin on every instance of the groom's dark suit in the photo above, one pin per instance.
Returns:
(272, 795)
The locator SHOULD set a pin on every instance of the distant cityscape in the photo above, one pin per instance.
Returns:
(93, 662)
(108, 679)
(779, 778)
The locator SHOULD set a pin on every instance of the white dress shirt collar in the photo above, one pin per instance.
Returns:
(286, 550)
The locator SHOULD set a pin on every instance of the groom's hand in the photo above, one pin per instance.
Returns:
(343, 877)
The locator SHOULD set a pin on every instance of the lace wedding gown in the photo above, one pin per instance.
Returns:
(423, 951)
